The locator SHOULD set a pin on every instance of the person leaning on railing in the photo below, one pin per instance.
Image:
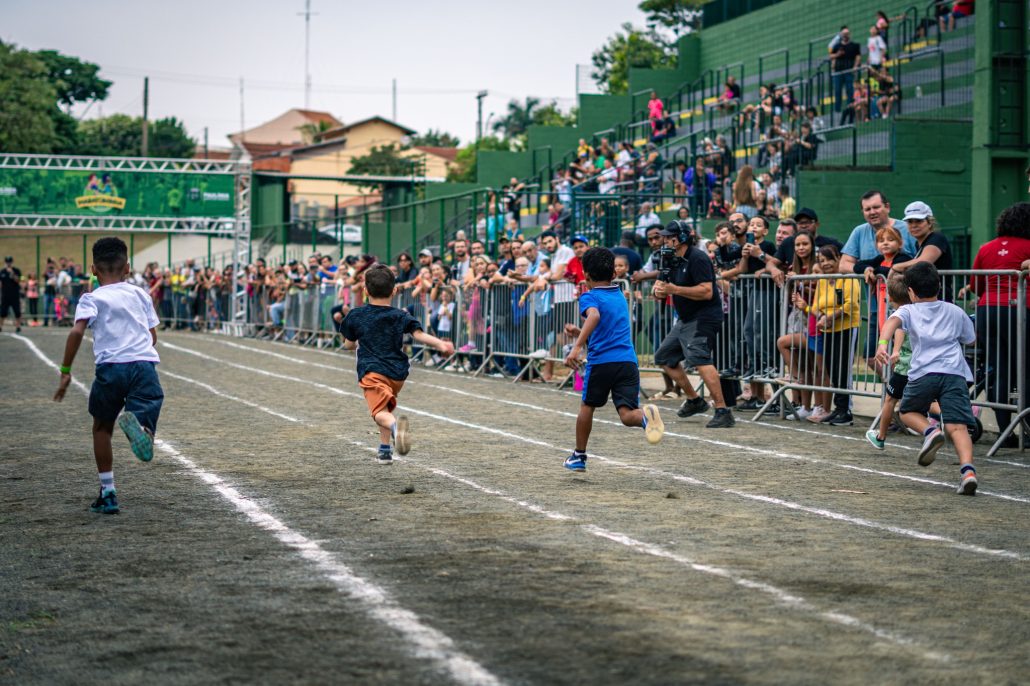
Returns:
(996, 314)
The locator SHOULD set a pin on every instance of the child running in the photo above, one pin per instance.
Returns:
(938, 370)
(611, 366)
(124, 325)
(901, 360)
(382, 364)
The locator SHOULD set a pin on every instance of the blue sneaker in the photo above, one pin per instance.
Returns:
(576, 463)
(384, 456)
(141, 442)
(106, 503)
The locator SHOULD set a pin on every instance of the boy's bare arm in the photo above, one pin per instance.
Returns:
(592, 320)
(445, 347)
(153, 337)
(71, 348)
(886, 333)
(350, 345)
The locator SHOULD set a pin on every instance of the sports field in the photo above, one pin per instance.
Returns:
(264, 544)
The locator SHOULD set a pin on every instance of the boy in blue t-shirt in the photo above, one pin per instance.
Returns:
(611, 367)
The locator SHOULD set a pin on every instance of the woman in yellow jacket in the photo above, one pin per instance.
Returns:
(837, 307)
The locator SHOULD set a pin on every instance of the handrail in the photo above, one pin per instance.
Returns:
(771, 53)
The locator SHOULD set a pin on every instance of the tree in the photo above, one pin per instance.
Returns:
(26, 100)
(435, 139)
(550, 115)
(677, 17)
(121, 135)
(313, 130)
(631, 47)
(381, 161)
(518, 119)
(74, 80)
(464, 168)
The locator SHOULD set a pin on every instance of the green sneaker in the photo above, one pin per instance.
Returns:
(106, 503)
(875, 439)
(141, 442)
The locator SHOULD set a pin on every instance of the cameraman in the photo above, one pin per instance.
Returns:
(691, 283)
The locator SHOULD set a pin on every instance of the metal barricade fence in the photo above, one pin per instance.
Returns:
(828, 330)
(512, 330)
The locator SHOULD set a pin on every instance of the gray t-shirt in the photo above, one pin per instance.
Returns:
(938, 330)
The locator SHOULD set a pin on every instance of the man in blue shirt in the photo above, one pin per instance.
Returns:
(611, 366)
(861, 245)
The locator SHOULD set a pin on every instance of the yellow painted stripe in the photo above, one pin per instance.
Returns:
(710, 101)
(640, 141)
(684, 115)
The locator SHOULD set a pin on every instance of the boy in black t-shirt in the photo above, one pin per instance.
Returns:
(382, 364)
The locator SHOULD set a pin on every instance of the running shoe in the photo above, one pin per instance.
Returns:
(576, 463)
(106, 502)
(691, 407)
(817, 415)
(931, 444)
(467, 348)
(655, 428)
(723, 419)
(875, 439)
(384, 456)
(402, 436)
(750, 405)
(141, 442)
(841, 419)
(967, 485)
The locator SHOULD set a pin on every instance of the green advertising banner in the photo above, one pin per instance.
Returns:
(118, 193)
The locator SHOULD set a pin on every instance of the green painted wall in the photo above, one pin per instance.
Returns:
(934, 164)
(495, 168)
(599, 112)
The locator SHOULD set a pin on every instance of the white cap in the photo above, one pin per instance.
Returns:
(917, 210)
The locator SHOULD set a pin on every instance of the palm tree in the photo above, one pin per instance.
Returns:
(518, 119)
(311, 131)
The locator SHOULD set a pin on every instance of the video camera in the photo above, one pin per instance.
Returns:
(666, 261)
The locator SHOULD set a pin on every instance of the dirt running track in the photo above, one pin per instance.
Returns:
(264, 544)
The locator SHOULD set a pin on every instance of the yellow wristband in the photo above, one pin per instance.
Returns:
(882, 342)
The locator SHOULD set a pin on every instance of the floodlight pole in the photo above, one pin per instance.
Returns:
(146, 108)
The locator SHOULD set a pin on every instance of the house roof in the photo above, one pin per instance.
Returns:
(284, 129)
(342, 129)
(447, 153)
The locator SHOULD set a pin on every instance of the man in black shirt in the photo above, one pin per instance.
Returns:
(691, 283)
(10, 292)
(845, 56)
(780, 263)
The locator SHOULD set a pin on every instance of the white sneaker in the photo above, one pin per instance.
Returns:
(803, 412)
(817, 415)
(451, 368)
(430, 363)
(539, 354)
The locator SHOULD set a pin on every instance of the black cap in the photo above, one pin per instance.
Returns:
(8, 259)
(676, 228)
(806, 212)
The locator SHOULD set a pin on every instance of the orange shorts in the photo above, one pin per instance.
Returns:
(380, 392)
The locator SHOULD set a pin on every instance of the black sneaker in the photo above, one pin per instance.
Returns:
(750, 405)
(384, 456)
(830, 417)
(841, 419)
(729, 373)
(691, 407)
(106, 503)
(723, 419)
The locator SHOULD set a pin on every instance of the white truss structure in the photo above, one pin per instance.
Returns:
(215, 226)
(136, 164)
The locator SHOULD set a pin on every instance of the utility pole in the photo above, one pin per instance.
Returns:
(146, 108)
(479, 120)
(394, 117)
(242, 127)
(307, 51)
(205, 143)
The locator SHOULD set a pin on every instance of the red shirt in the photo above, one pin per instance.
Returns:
(1006, 252)
(574, 271)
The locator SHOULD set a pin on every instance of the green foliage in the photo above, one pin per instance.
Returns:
(435, 139)
(518, 119)
(26, 100)
(74, 80)
(677, 17)
(550, 115)
(122, 135)
(463, 169)
(383, 160)
(631, 47)
(313, 130)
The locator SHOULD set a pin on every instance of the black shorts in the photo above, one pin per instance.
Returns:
(690, 343)
(896, 385)
(7, 305)
(950, 390)
(621, 380)
(134, 386)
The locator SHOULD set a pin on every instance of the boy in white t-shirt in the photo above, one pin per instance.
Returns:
(124, 325)
(938, 370)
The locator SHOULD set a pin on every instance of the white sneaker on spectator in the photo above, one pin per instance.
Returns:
(803, 412)
(539, 354)
(818, 414)
(451, 368)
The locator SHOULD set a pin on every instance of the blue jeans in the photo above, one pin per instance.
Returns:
(846, 83)
(132, 385)
(276, 312)
(48, 309)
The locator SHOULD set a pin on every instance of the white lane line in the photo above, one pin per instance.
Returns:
(220, 394)
(828, 514)
(426, 642)
(781, 596)
(530, 406)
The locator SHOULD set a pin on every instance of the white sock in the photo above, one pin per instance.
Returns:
(106, 481)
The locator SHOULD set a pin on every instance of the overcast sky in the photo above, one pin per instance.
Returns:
(441, 53)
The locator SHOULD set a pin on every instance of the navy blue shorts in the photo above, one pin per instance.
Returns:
(131, 385)
(621, 380)
(949, 390)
